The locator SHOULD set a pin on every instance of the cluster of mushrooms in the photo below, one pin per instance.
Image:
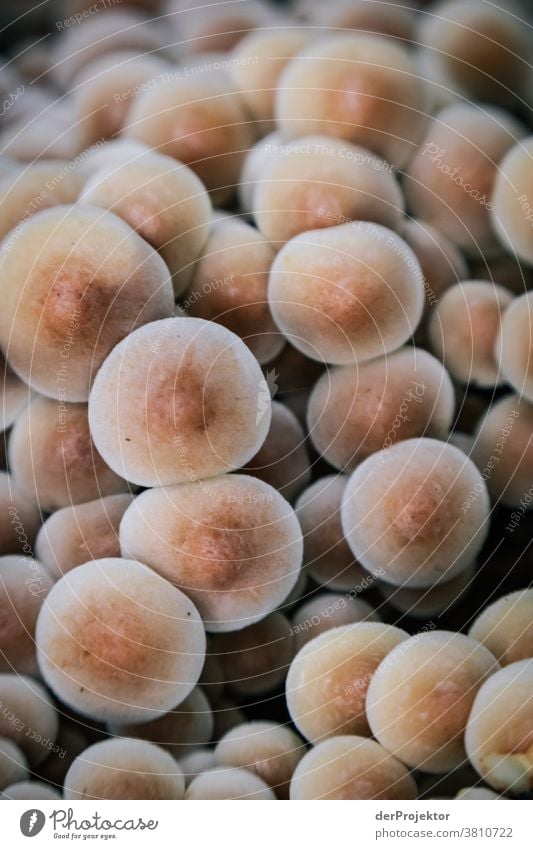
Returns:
(266, 323)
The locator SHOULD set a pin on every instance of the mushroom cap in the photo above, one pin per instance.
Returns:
(53, 457)
(229, 286)
(464, 329)
(104, 88)
(505, 432)
(347, 293)
(124, 769)
(505, 627)
(74, 535)
(421, 694)
(75, 281)
(228, 783)
(317, 182)
(328, 679)
(255, 65)
(359, 409)
(351, 767)
(418, 512)
(500, 724)
(479, 50)
(511, 201)
(31, 790)
(357, 87)
(117, 643)
(163, 201)
(327, 556)
(198, 120)
(38, 186)
(179, 400)
(267, 749)
(118, 29)
(232, 543)
(450, 177)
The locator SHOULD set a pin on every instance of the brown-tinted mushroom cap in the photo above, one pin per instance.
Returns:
(53, 458)
(255, 66)
(503, 451)
(357, 410)
(505, 627)
(464, 329)
(450, 178)
(327, 555)
(74, 535)
(179, 400)
(39, 186)
(512, 201)
(269, 750)
(105, 88)
(199, 121)
(319, 182)
(329, 678)
(75, 281)
(163, 201)
(232, 543)
(124, 769)
(477, 49)
(116, 642)
(24, 584)
(357, 87)
(228, 783)
(351, 767)
(418, 512)
(421, 694)
(229, 286)
(347, 293)
(499, 733)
